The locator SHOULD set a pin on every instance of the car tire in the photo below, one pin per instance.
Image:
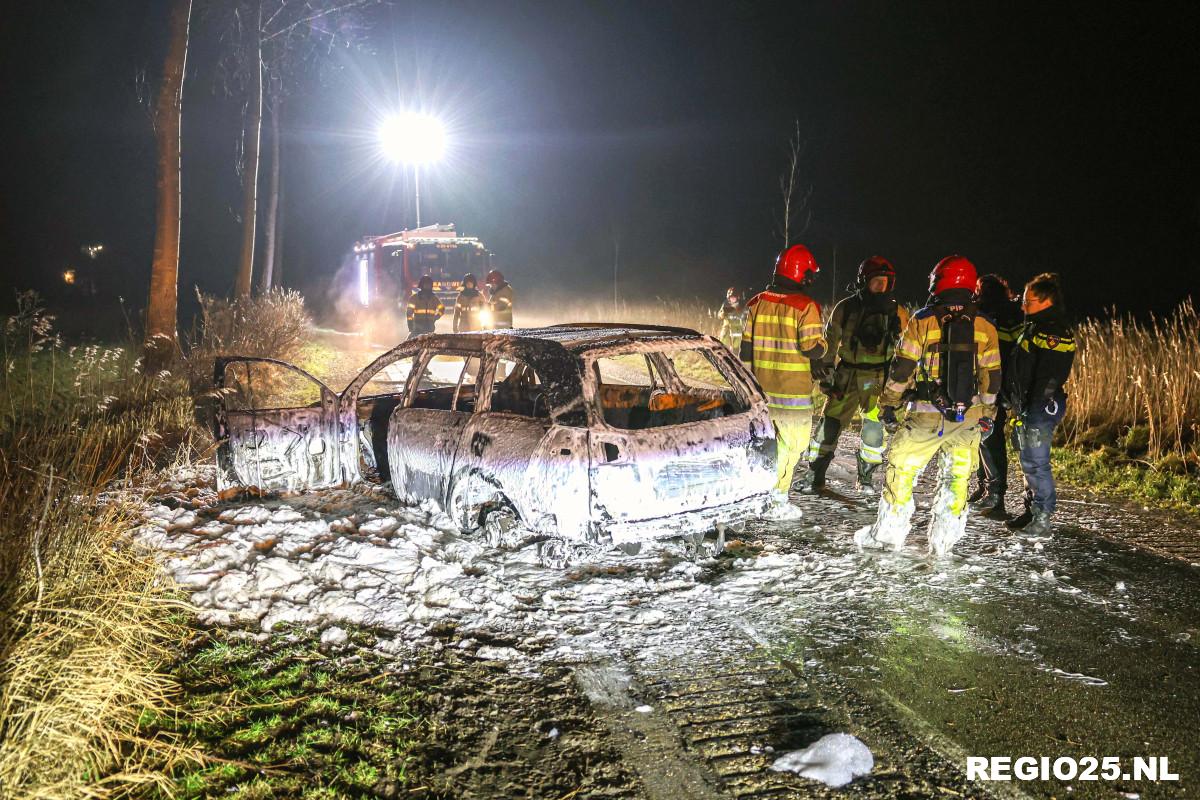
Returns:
(470, 497)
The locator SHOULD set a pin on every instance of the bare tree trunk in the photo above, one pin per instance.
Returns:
(270, 226)
(280, 224)
(245, 275)
(163, 304)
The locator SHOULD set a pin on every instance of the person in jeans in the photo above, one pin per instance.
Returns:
(1033, 392)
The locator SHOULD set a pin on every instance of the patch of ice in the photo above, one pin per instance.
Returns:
(834, 760)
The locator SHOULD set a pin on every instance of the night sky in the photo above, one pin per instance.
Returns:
(1027, 137)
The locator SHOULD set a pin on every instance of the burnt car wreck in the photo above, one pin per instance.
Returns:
(586, 434)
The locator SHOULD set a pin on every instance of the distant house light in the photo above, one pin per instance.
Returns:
(68, 276)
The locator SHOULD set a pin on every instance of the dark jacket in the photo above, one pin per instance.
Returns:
(467, 310)
(1041, 361)
(1006, 315)
(424, 310)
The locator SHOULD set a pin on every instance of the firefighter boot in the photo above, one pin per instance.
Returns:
(987, 503)
(979, 493)
(866, 472)
(816, 472)
(1039, 525)
(1018, 523)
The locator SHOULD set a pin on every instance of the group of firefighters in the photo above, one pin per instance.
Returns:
(473, 309)
(958, 368)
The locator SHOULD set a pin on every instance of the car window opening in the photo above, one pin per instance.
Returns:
(635, 393)
(377, 399)
(448, 383)
(517, 389)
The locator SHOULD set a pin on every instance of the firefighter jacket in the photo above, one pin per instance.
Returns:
(1006, 316)
(501, 301)
(918, 358)
(424, 310)
(734, 316)
(467, 310)
(783, 336)
(863, 330)
(1041, 361)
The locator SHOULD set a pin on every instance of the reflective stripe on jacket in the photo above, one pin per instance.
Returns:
(784, 333)
(917, 357)
(502, 306)
(467, 309)
(840, 332)
(424, 310)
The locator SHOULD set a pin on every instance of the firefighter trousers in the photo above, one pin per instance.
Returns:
(793, 430)
(920, 438)
(855, 391)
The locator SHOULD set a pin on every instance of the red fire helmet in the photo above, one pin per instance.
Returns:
(875, 266)
(495, 278)
(952, 272)
(796, 263)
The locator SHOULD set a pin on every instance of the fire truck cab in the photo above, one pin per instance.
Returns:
(388, 267)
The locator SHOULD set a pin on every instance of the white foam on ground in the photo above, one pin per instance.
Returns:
(834, 760)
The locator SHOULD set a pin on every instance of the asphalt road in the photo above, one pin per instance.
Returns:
(1084, 644)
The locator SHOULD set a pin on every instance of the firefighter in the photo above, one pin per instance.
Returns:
(424, 308)
(500, 300)
(468, 307)
(733, 319)
(861, 335)
(949, 355)
(783, 338)
(996, 300)
(1033, 391)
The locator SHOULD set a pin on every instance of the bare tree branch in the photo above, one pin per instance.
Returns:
(793, 206)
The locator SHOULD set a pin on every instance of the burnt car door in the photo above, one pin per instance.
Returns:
(275, 425)
(366, 408)
(520, 452)
(425, 431)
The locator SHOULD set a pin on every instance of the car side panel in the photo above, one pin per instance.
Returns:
(422, 446)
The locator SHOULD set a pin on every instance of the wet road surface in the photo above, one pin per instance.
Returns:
(1077, 645)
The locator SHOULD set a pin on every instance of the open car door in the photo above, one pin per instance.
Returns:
(275, 425)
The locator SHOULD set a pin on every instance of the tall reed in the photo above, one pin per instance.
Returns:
(85, 620)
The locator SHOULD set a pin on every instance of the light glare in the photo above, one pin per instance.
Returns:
(413, 138)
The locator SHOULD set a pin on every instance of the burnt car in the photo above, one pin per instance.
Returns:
(594, 434)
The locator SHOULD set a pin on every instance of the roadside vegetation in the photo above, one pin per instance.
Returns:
(85, 620)
(282, 718)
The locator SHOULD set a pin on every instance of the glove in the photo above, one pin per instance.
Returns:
(887, 415)
(986, 426)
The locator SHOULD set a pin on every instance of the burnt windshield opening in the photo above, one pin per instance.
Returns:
(644, 390)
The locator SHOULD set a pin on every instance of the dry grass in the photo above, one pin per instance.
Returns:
(691, 313)
(272, 325)
(1130, 375)
(85, 621)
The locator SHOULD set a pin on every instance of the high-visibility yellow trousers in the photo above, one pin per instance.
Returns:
(793, 431)
(856, 392)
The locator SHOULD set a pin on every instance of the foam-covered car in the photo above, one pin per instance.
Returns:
(585, 433)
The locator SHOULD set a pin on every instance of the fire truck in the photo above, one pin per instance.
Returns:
(389, 266)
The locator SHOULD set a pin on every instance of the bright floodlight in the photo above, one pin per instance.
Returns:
(413, 138)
